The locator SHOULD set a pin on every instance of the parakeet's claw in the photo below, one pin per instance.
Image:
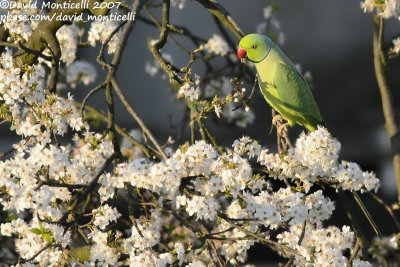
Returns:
(276, 120)
(283, 129)
(283, 139)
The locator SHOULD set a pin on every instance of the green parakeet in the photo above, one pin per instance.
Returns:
(284, 88)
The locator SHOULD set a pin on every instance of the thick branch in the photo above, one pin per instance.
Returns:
(112, 71)
(387, 103)
(223, 16)
(155, 47)
(46, 30)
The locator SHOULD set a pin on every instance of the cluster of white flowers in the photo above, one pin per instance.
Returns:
(101, 30)
(386, 9)
(208, 174)
(101, 251)
(386, 247)
(217, 46)
(316, 157)
(396, 46)
(35, 236)
(10, 88)
(246, 145)
(321, 246)
(80, 71)
(37, 116)
(21, 30)
(189, 92)
(104, 215)
(67, 36)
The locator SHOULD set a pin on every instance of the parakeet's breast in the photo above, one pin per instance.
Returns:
(267, 73)
(286, 90)
(266, 68)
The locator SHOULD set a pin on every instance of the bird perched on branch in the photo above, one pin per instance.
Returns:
(284, 88)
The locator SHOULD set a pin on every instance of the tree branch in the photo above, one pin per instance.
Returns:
(47, 29)
(147, 151)
(223, 16)
(387, 103)
(155, 47)
(136, 117)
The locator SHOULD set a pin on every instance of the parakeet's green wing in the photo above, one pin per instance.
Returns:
(295, 93)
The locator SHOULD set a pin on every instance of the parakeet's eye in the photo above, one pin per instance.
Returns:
(253, 47)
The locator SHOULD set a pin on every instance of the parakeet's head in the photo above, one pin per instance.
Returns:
(254, 47)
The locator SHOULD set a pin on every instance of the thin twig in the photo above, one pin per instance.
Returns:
(212, 244)
(253, 88)
(35, 52)
(354, 221)
(36, 254)
(354, 254)
(100, 57)
(158, 25)
(99, 115)
(135, 116)
(212, 138)
(112, 68)
(7, 152)
(272, 244)
(387, 207)
(302, 234)
(89, 188)
(57, 184)
(86, 99)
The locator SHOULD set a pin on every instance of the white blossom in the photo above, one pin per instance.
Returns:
(80, 71)
(396, 46)
(67, 36)
(104, 215)
(217, 46)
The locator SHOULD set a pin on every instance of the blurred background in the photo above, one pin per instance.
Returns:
(331, 39)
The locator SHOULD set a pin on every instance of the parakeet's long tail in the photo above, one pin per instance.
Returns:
(366, 213)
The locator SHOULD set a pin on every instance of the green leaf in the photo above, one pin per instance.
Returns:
(36, 231)
(81, 253)
(48, 237)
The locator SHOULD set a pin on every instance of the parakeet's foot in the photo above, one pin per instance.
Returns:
(283, 139)
(276, 119)
(282, 130)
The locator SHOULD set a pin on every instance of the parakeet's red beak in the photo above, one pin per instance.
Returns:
(241, 53)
